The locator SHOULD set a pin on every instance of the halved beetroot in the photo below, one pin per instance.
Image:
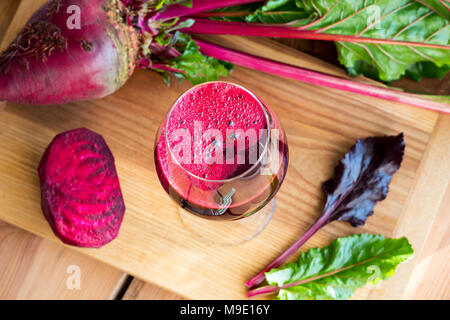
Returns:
(81, 196)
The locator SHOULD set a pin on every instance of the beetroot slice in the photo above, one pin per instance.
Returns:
(80, 190)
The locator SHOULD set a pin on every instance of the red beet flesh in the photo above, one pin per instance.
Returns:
(81, 196)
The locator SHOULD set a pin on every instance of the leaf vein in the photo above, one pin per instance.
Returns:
(389, 55)
(383, 17)
(342, 20)
(371, 56)
(420, 53)
(317, 9)
(322, 17)
(435, 33)
(412, 23)
(335, 272)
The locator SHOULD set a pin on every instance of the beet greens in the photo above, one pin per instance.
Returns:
(382, 39)
(336, 271)
(361, 180)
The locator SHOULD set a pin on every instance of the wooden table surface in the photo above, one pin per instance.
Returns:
(35, 268)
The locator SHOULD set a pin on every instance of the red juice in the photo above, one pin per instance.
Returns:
(210, 148)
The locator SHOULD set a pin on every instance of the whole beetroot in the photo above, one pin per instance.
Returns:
(80, 190)
(53, 60)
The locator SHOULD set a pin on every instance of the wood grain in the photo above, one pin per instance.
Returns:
(7, 10)
(23, 12)
(152, 241)
(35, 268)
(428, 195)
(321, 125)
(140, 290)
(432, 273)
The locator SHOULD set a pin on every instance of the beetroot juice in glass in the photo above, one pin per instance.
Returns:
(222, 155)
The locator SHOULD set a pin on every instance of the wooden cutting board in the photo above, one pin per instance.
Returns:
(321, 125)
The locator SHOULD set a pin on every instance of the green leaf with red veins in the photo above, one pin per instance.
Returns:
(336, 271)
(425, 21)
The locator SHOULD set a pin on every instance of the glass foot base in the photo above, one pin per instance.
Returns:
(228, 233)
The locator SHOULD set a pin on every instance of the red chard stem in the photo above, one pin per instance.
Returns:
(206, 26)
(318, 78)
(164, 52)
(165, 68)
(221, 14)
(262, 290)
(177, 10)
(256, 280)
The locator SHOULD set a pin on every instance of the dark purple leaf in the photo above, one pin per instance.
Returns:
(362, 179)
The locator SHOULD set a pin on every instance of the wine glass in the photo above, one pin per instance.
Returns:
(222, 155)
